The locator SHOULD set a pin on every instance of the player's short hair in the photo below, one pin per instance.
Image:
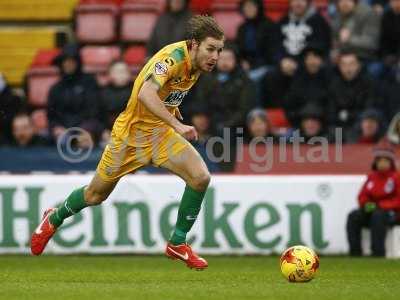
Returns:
(201, 27)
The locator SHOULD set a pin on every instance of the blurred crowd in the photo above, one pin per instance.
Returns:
(340, 69)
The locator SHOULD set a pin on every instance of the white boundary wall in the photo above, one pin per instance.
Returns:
(241, 214)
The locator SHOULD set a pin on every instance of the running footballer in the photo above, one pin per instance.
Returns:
(150, 131)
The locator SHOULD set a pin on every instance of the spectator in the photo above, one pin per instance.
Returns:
(73, 100)
(114, 96)
(312, 123)
(9, 106)
(379, 204)
(393, 133)
(201, 121)
(390, 91)
(356, 28)
(23, 133)
(390, 34)
(170, 26)
(255, 39)
(276, 85)
(369, 130)
(258, 126)
(350, 92)
(231, 94)
(303, 25)
(310, 85)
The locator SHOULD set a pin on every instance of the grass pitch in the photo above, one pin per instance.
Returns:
(155, 277)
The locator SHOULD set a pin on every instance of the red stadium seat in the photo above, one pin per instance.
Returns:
(201, 6)
(276, 9)
(39, 82)
(224, 5)
(137, 22)
(96, 23)
(97, 58)
(229, 21)
(151, 5)
(135, 57)
(45, 57)
(116, 2)
(277, 118)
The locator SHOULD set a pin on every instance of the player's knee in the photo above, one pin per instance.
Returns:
(201, 181)
(93, 197)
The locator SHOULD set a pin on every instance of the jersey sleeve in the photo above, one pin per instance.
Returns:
(162, 70)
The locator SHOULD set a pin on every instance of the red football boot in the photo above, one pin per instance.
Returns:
(185, 253)
(42, 234)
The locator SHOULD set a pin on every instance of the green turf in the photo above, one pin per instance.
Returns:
(136, 277)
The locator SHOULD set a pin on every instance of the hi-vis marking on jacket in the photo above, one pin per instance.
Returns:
(161, 68)
(175, 98)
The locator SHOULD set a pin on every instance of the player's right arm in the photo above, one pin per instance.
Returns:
(148, 95)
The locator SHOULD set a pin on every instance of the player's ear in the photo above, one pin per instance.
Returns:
(195, 44)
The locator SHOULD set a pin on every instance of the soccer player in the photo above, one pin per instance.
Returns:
(148, 132)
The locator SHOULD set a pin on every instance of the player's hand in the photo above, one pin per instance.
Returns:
(188, 132)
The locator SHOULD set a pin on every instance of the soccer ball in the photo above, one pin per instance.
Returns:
(299, 264)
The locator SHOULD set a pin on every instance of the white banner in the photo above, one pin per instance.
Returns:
(240, 214)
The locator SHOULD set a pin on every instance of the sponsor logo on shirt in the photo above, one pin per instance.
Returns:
(175, 98)
(160, 68)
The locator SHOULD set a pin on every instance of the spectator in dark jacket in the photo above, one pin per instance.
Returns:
(276, 86)
(10, 104)
(229, 92)
(310, 85)
(370, 128)
(23, 132)
(379, 204)
(350, 92)
(115, 95)
(73, 101)
(170, 26)
(390, 34)
(255, 39)
(356, 27)
(390, 91)
(312, 123)
(302, 26)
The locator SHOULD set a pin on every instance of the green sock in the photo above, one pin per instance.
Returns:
(72, 205)
(187, 214)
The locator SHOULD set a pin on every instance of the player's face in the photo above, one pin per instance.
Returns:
(207, 54)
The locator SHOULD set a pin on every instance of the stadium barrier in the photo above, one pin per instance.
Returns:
(240, 215)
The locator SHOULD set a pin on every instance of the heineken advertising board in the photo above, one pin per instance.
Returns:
(240, 214)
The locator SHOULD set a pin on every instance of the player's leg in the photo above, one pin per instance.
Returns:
(96, 192)
(190, 167)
